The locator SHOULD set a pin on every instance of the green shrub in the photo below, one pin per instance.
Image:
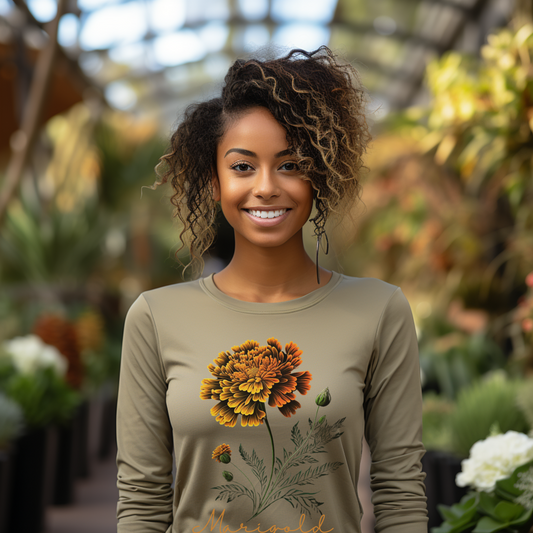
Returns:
(44, 396)
(482, 407)
(435, 418)
(525, 402)
(455, 360)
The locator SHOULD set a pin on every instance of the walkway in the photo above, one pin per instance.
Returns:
(96, 504)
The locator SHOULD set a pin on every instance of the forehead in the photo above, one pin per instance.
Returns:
(256, 127)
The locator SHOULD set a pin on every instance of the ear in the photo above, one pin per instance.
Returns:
(215, 184)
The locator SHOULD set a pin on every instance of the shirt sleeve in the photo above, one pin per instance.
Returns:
(393, 428)
(144, 435)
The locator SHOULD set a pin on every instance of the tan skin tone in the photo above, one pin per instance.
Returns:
(257, 174)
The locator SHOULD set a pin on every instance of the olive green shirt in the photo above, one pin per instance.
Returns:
(294, 466)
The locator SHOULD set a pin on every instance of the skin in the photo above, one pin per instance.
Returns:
(255, 171)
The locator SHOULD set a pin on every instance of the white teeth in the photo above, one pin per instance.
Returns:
(267, 214)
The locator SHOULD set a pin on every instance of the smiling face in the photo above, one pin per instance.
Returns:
(258, 183)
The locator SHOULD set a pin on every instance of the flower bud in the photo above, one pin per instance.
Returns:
(324, 398)
(228, 476)
(222, 454)
(225, 458)
(322, 418)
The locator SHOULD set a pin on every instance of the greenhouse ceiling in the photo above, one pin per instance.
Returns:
(156, 56)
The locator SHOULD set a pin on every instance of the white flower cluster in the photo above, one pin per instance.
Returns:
(30, 353)
(494, 458)
(525, 483)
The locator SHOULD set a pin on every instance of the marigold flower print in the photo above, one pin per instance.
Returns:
(252, 375)
(222, 454)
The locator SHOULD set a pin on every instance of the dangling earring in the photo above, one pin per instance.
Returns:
(320, 231)
(318, 239)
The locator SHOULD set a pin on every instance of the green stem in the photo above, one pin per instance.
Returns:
(271, 470)
(273, 453)
(283, 467)
(251, 484)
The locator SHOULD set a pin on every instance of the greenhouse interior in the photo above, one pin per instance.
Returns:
(91, 91)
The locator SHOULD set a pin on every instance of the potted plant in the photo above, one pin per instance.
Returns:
(11, 425)
(451, 429)
(500, 472)
(34, 376)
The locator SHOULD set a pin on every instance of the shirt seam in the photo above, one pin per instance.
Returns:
(228, 305)
(374, 349)
(158, 341)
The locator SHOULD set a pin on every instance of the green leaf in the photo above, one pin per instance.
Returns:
(510, 517)
(446, 527)
(231, 491)
(507, 511)
(322, 435)
(489, 525)
(303, 460)
(525, 518)
(311, 474)
(296, 435)
(257, 465)
(487, 504)
(461, 516)
(505, 488)
(305, 501)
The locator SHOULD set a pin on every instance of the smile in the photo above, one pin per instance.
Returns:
(267, 214)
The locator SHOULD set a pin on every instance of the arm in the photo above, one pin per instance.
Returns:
(393, 414)
(144, 434)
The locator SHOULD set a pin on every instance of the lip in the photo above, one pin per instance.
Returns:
(267, 222)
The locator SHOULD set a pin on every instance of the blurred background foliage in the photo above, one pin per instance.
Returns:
(447, 214)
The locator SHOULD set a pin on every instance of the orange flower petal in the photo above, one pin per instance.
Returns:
(290, 408)
(251, 376)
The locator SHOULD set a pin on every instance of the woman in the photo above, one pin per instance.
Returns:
(263, 378)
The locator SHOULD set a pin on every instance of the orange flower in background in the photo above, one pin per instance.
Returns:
(222, 454)
(59, 332)
(252, 375)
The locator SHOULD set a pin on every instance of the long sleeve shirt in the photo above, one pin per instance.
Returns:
(229, 389)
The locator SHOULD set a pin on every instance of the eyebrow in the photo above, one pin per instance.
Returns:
(242, 151)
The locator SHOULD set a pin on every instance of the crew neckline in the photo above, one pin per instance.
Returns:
(288, 306)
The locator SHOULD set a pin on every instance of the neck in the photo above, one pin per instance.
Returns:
(270, 274)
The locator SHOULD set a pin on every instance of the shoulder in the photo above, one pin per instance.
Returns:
(185, 290)
(372, 298)
(177, 294)
(367, 285)
(168, 299)
(369, 291)
(181, 305)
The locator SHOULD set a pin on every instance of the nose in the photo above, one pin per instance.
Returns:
(266, 185)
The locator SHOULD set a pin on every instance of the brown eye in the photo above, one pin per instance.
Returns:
(242, 167)
(290, 166)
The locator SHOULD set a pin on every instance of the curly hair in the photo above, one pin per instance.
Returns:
(317, 99)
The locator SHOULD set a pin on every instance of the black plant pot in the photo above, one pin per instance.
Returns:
(109, 427)
(32, 480)
(67, 462)
(83, 467)
(96, 413)
(5, 493)
(441, 469)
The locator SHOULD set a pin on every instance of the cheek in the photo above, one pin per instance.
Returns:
(307, 194)
(231, 198)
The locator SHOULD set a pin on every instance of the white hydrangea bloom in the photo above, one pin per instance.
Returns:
(494, 458)
(30, 353)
